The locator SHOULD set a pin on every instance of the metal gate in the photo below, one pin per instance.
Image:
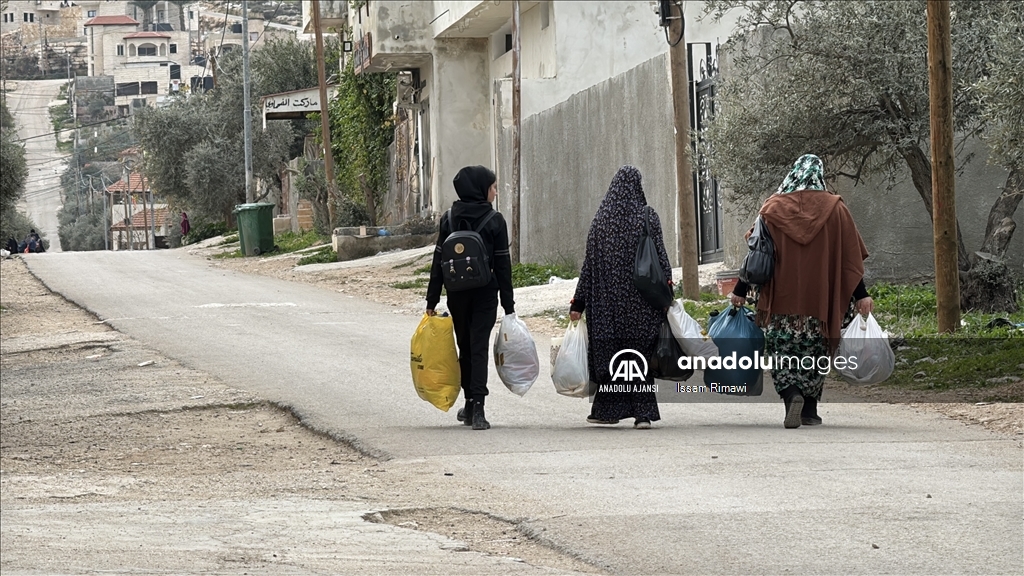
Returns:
(707, 200)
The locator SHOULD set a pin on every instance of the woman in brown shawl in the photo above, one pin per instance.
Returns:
(617, 316)
(817, 285)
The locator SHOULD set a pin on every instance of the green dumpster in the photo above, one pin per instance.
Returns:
(255, 228)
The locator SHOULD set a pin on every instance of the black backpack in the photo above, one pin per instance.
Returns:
(465, 263)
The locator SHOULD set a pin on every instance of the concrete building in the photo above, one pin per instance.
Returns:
(595, 96)
(150, 57)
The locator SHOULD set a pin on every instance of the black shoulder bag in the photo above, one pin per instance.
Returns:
(759, 263)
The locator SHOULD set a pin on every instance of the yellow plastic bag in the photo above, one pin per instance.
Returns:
(435, 364)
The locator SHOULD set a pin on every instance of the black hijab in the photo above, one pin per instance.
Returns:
(471, 184)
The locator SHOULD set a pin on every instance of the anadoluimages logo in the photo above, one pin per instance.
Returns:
(628, 368)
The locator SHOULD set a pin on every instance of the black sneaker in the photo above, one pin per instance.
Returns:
(479, 421)
(810, 420)
(642, 424)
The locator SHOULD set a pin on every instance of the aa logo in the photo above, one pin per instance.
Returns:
(628, 365)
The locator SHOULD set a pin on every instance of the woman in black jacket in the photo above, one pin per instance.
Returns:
(475, 310)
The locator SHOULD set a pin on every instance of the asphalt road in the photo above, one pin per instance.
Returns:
(714, 488)
(29, 103)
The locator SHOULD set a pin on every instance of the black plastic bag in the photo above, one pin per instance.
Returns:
(648, 277)
(665, 363)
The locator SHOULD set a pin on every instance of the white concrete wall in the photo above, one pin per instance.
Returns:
(460, 114)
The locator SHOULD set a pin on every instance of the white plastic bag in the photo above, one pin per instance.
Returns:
(569, 361)
(688, 333)
(865, 350)
(515, 355)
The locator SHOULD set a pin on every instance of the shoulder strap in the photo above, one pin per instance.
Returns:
(484, 222)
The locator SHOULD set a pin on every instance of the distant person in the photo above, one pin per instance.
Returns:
(185, 225)
(12, 245)
(31, 243)
(618, 317)
(817, 285)
(474, 310)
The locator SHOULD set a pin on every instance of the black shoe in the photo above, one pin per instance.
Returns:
(465, 415)
(809, 413)
(793, 407)
(479, 421)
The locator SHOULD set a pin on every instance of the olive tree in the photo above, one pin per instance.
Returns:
(849, 81)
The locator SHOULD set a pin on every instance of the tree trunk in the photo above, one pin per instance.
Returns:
(988, 285)
(921, 174)
(1000, 227)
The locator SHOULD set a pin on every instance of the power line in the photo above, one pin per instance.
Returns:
(58, 132)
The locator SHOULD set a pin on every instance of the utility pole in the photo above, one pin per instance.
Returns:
(325, 121)
(517, 160)
(940, 93)
(246, 106)
(672, 17)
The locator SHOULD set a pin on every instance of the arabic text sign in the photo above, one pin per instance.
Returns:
(304, 102)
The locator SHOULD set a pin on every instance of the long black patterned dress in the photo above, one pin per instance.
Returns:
(617, 316)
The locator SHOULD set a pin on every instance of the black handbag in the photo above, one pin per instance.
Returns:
(648, 277)
(665, 363)
(759, 263)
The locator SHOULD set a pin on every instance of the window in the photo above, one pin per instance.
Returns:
(149, 88)
(175, 72)
(174, 48)
(147, 50)
(127, 89)
(28, 17)
(120, 49)
(92, 13)
(254, 36)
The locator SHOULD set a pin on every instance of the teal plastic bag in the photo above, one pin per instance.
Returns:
(740, 352)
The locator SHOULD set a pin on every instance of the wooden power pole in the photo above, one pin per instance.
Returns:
(940, 91)
(517, 158)
(688, 252)
(325, 121)
(250, 197)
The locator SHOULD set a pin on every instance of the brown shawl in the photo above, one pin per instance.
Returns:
(819, 259)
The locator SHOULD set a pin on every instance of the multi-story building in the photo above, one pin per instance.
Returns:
(149, 54)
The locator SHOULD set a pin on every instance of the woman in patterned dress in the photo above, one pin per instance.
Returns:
(617, 315)
(817, 285)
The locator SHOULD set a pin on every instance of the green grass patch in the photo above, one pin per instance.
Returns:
(414, 284)
(291, 241)
(228, 240)
(984, 365)
(425, 269)
(909, 311)
(325, 255)
(60, 118)
(530, 274)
